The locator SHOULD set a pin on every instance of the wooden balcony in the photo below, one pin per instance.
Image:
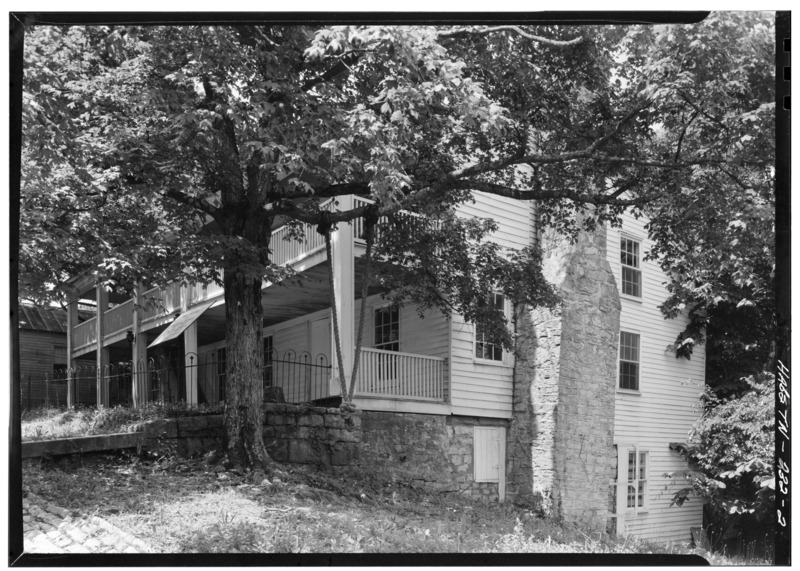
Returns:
(159, 305)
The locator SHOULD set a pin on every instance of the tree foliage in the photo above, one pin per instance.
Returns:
(731, 450)
(170, 153)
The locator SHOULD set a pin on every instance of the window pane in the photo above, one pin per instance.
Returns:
(629, 376)
(631, 282)
(642, 465)
(631, 466)
(485, 349)
(629, 252)
(640, 495)
(631, 496)
(387, 328)
(629, 360)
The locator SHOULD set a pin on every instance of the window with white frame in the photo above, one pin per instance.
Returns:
(638, 465)
(630, 258)
(485, 348)
(387, 328)
(629, 360)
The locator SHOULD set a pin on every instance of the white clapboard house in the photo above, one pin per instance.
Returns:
(580, 426)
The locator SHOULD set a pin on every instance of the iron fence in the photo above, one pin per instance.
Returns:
(297, 377)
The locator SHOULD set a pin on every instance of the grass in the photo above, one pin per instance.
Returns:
(52, 423)
(179, 505)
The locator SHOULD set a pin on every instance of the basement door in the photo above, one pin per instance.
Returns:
(489, 457)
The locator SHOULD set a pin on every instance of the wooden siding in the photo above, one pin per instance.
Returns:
(514, 218)
(37, 353)
(664, 408)
(481, 388)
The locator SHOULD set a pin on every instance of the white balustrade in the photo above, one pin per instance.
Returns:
(400, 375)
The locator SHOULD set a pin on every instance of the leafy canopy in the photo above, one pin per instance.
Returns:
(169, 152)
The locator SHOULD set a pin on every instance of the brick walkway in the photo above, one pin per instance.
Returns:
(51, 529)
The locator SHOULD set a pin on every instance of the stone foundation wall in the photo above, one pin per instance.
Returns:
(292, 433)
(562, 433)
(432, 452)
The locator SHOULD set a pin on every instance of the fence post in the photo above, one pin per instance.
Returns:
(70, 388)
(72, 321)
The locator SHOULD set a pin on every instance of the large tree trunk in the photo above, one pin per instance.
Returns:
(243, 441)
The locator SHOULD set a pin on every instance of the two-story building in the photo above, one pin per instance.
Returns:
(577, 421)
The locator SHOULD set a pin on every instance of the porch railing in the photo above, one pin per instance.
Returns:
(401, 375)
(119, 318)
(298, 377)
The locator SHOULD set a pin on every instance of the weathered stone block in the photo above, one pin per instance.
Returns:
(307, 433)
(190, 424)
(340, 435)
(308, 452)
(165, 428)
(334, 420)
(276, 420)
(278, 449)
(310, 419)
(274, 408)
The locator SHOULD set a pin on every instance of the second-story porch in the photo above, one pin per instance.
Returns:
(192, 317)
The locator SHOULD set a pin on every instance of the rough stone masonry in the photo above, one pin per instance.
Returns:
(560, 449)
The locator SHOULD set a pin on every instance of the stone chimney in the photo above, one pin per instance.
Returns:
(560, 446)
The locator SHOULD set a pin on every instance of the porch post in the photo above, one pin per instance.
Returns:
(139, 350)
(72, 321)
(344, 289)
(102, 351)
(190, 352)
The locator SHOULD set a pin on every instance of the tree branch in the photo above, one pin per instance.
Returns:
(329, 191)
(340, 67)
(519, 194)
(194, 202)
(516, 29)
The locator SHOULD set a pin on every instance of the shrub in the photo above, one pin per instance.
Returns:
(730, 452)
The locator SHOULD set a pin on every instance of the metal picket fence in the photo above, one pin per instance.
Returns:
(298, 377)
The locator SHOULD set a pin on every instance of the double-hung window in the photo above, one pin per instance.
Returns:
(629, 360)
(387, 328)
(485, 348)
(630, 257)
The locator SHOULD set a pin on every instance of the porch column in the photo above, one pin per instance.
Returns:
(102, 351)
(139, 350)
(72, 321)
(190, 352)
(344, 289)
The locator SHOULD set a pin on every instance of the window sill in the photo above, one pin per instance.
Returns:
(636, 512)
(629, 392)
(632, 298)
(490, 363)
